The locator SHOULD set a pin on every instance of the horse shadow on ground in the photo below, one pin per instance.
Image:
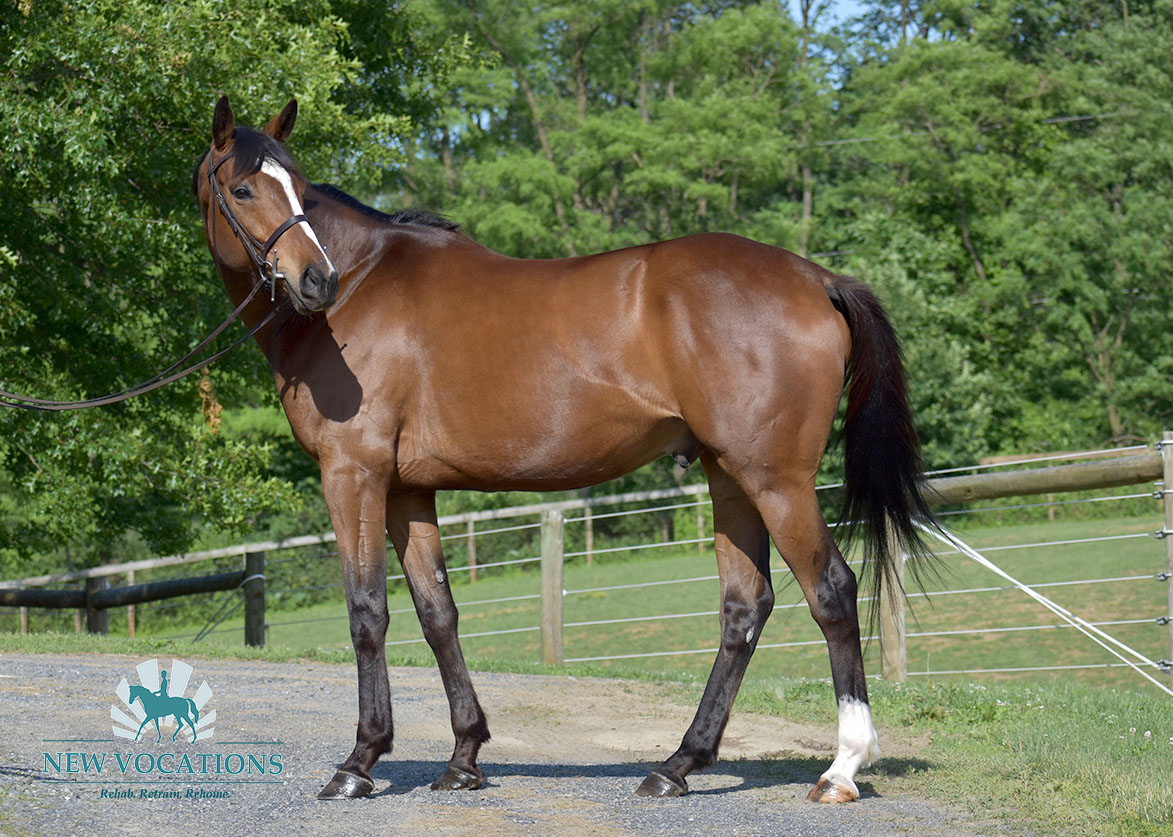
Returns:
(32, 774)
(406, 776)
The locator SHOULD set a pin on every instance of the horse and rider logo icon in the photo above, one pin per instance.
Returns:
(160, 698)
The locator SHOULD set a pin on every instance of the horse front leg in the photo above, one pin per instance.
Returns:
(357, 505)
(411, 522)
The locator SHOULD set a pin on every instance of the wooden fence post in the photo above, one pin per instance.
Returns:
(1166, 496)
(893, 654)
(97, 619)
(24, 621)
(254, 599)
(472, 552)
(552, 535)
(589, 529)
(130, 608)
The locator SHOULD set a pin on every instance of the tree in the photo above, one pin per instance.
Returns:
(104, 277)
(1026, 145)
(1089, 237)
(604, 125)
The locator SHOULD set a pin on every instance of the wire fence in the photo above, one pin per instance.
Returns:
(641, 588)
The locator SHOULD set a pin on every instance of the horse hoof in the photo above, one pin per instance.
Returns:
(456, 779)
(659, 785)
(829, 790)
(346, 786)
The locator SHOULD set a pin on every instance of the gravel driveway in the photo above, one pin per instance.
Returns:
(566, 757)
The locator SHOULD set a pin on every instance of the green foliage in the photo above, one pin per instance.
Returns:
(104, 276)
(1000, 171)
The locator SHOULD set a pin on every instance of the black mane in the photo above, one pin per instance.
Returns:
(252, 147)
(410, 215)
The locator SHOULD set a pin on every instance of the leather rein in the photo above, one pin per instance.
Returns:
(268, 275)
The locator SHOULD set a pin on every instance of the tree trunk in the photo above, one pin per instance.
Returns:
(446, 158)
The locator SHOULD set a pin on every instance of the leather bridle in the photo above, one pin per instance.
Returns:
(257, 251)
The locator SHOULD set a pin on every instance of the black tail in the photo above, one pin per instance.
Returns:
(884, 481)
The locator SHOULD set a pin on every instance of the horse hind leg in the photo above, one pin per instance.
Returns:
(747, 599)
(802, 537)
(179, 721)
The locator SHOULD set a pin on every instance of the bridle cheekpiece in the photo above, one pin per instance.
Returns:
(257, 251)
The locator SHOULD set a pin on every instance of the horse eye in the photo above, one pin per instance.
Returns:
(242, 193)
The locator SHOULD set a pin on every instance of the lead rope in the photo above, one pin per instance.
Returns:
(24, 402)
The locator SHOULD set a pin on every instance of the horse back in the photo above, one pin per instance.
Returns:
(477, 370)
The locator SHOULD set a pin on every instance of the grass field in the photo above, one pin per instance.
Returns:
(679, 616)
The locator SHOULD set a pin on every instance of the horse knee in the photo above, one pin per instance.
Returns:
(368, 623)
(742, 621)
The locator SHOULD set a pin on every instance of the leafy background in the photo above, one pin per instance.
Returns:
(999, 171)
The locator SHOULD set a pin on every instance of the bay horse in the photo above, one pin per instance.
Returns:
(413, 359)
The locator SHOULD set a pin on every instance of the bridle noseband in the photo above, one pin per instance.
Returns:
(257, 251)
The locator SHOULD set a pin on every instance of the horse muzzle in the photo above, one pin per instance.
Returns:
(317, 287)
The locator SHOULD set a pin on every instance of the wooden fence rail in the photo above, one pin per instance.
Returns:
(98, 597)
(1082, 476)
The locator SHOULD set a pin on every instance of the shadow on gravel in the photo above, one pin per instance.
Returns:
(29, 773)
(406, 776)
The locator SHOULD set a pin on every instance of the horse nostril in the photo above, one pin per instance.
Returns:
(311, 281)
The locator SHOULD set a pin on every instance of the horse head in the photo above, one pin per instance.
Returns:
(258, 196)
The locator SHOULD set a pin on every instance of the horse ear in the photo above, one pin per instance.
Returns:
(281, 125)
(223, 124)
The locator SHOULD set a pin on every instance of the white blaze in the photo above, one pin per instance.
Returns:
(279, 174)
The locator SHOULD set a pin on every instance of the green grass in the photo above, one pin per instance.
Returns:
(1056, 758)
(324, 626)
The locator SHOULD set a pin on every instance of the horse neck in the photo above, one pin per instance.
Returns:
(353, 240)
